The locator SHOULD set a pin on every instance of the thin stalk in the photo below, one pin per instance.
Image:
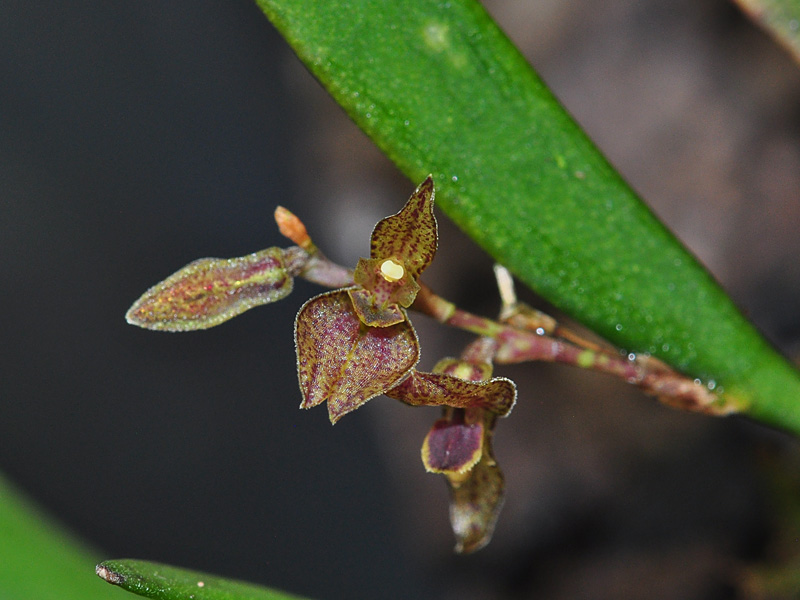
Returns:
(531, 335)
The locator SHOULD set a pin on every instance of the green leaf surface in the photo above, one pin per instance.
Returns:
(780, 18)
(39, 561)
(441, 90)
(154, 580)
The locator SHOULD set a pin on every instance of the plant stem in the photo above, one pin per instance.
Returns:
(521, 345)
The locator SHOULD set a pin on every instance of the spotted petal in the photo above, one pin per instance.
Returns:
(410, 235)
(440, 389)
(476, 498)
(341, 360)
(210, 291)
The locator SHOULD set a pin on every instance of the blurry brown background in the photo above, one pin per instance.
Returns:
(137, 137)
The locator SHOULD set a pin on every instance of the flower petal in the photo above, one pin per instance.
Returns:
(410, 235)
(475, 501)
(341, 360)
(210, 291)
(454, 444)
(497, 395)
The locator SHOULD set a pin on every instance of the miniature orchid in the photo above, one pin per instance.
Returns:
(356, 343)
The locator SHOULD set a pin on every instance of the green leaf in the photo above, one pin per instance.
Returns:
(780, 18)
(441, 90)
(154, 580)
(38, 560)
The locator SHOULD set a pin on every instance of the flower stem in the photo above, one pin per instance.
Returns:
(529, 335)
(517, 345)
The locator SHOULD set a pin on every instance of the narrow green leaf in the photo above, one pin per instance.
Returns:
(780, 18)
(441, 90)
(154, 580)
(38, 560)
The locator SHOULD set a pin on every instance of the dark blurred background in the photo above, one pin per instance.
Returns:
(138, 136)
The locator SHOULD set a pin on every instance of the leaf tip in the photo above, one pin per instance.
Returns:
(112, 577)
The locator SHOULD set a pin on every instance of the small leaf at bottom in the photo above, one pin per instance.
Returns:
(154, 580)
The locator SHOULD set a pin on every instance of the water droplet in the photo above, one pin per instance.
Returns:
(540, 331)
(618, 327)
(436, 36)
(454, 178)
(665, 348)
(406, 122)
(697, 382)
(711, 384)
(631, 357)
(368, 115)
